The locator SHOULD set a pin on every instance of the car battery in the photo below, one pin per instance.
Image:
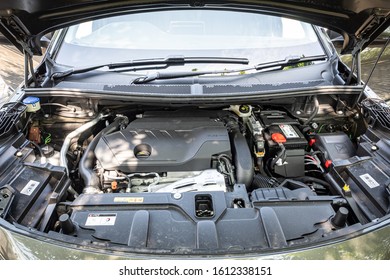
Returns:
(295, 145)
(294, 138)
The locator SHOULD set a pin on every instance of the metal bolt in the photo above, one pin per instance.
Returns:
(374, 148)
(298, 112)
(90, 114)
(177, 195)
(340, 112)
(19, 154)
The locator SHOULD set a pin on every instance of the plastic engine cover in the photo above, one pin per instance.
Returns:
(159, 144)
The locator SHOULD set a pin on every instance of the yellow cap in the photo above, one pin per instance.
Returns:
(346, 188)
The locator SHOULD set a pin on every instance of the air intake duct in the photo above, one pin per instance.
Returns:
(242, 157)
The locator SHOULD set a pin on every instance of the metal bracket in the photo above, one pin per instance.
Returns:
(6, 197)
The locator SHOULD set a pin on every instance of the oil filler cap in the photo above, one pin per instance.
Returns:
(278, 138)
(142, 151)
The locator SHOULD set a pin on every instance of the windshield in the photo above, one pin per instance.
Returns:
(190, 33)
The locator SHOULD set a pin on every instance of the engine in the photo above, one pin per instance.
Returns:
(188, 151)
(161, 143)
(201, 151)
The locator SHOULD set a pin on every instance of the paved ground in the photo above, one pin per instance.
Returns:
(11, 67)
(11, 70)
(380, 80)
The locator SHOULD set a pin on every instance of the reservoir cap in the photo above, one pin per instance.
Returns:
(32, 103)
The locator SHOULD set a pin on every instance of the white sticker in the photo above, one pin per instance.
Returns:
(101, 219)
(288, 131)
(367, 178)
(30, 187)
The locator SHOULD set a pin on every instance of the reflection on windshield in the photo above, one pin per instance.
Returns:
(191, 33)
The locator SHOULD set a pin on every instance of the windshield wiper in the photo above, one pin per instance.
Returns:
(289, 61)
(161, 63)
(280, 64)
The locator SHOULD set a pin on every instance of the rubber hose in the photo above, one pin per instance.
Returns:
(91, 180)
(73, 134)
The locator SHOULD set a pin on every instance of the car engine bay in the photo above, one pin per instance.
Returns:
(163, 178)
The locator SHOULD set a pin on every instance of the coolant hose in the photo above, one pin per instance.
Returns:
(73, 134)
(91, 180)
(315, 111)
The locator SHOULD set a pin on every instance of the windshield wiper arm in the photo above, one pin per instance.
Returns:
(171, 75)
(166, 62)
(288, 61)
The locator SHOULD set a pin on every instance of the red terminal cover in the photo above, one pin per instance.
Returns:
(328, 163)
(278, 138)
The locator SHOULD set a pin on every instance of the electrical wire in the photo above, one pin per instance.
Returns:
(47, 140)
(309, 160)
(318, 171)
(41, 154)
(128, 177)
(310, 157)
(315, 111)
(320, 129)
(280, 155)
(226, 168)
(59, 105)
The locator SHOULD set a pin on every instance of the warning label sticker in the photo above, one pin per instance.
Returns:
(100, 219)
(30, 187)
(367, 178)
(288, 131)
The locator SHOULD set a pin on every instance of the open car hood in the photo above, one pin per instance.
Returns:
(24, 22)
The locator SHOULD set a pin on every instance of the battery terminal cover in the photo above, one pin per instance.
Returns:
(278, 138)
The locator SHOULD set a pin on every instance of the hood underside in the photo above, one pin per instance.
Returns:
(24, 22)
